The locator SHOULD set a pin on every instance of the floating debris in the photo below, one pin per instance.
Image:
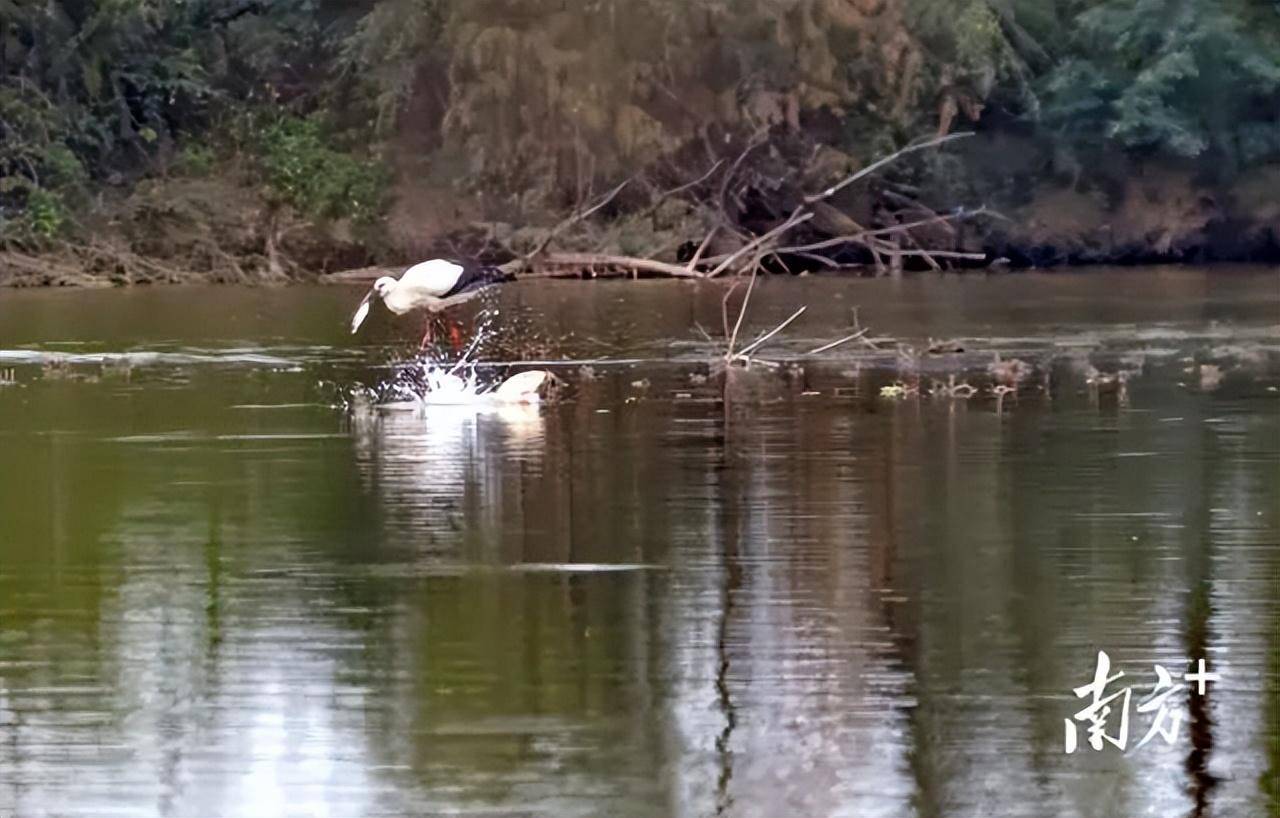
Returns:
(1210, 377)
(1009, 372)
(899, 389)
(948, 347)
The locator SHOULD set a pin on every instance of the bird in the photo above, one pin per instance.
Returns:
(434, 285)
(526, 387)
(450, 389)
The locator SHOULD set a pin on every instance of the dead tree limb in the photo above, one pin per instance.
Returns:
(875, 166)
(646, 265)
(759, 342)
(855, 336)
(572, 220)
(693, 262)
(667, 194)
(742, 313)
(795, 219)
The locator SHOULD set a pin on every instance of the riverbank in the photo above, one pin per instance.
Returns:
(224, 229)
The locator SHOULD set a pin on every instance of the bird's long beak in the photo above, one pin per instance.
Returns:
(362, 312)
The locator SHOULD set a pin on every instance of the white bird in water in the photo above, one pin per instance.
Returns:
(448, 389)
(433, 285)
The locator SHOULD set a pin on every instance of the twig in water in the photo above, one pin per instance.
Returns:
(724, 306)
(843, 340)
(760, 341)
(742, 311)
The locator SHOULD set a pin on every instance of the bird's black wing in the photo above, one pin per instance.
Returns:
(476, 276)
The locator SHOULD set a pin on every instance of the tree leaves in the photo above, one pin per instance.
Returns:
(1167, 77)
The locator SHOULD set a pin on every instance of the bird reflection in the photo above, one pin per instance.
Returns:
(433, 467)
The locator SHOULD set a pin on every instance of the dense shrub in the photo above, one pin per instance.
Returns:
(306, 172)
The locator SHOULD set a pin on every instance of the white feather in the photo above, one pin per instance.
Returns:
(522, 387)
(435, 277)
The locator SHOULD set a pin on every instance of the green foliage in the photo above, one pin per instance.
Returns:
(968, 45)
(522, 100)
(1170, 77)
(39, 173)
(196, 159)
(306, 172)
(384, 57)
(45, 214)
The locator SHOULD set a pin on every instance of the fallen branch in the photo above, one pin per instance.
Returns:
(572, 220)
(753, 346)
(693, 262)
(799, 216)
(935, 253)
(826, 347)
(606, 260)
(662, 197)
(795, 219)
(742, 313)
(863, 236)
(874, 166)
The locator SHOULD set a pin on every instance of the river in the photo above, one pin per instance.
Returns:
(224, 594)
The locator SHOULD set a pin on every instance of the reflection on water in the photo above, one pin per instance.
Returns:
(218, 596)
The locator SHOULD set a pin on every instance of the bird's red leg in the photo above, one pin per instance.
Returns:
(428, 332)
(455, 335)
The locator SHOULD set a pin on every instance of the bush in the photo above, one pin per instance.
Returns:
(46, 214)
(304, 171)
(196, 160)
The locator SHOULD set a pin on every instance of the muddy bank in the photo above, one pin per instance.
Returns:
(1160, 215)
(222, 229)
(217, 229)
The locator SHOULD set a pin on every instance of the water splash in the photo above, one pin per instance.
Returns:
(431, 379)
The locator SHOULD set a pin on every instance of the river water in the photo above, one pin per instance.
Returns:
(671, 593)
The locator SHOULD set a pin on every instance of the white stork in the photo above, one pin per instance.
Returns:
(433, 285)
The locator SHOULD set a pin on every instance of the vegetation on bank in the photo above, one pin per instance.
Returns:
(361, 131)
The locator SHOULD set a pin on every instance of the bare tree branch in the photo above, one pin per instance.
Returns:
(874, 166)
(760, 341)
(796, 218)
(572, 220)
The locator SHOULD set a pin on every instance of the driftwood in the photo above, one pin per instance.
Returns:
(572, 265)
(885, 245)
(569, 222)
(735, 357)
(101, 264)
